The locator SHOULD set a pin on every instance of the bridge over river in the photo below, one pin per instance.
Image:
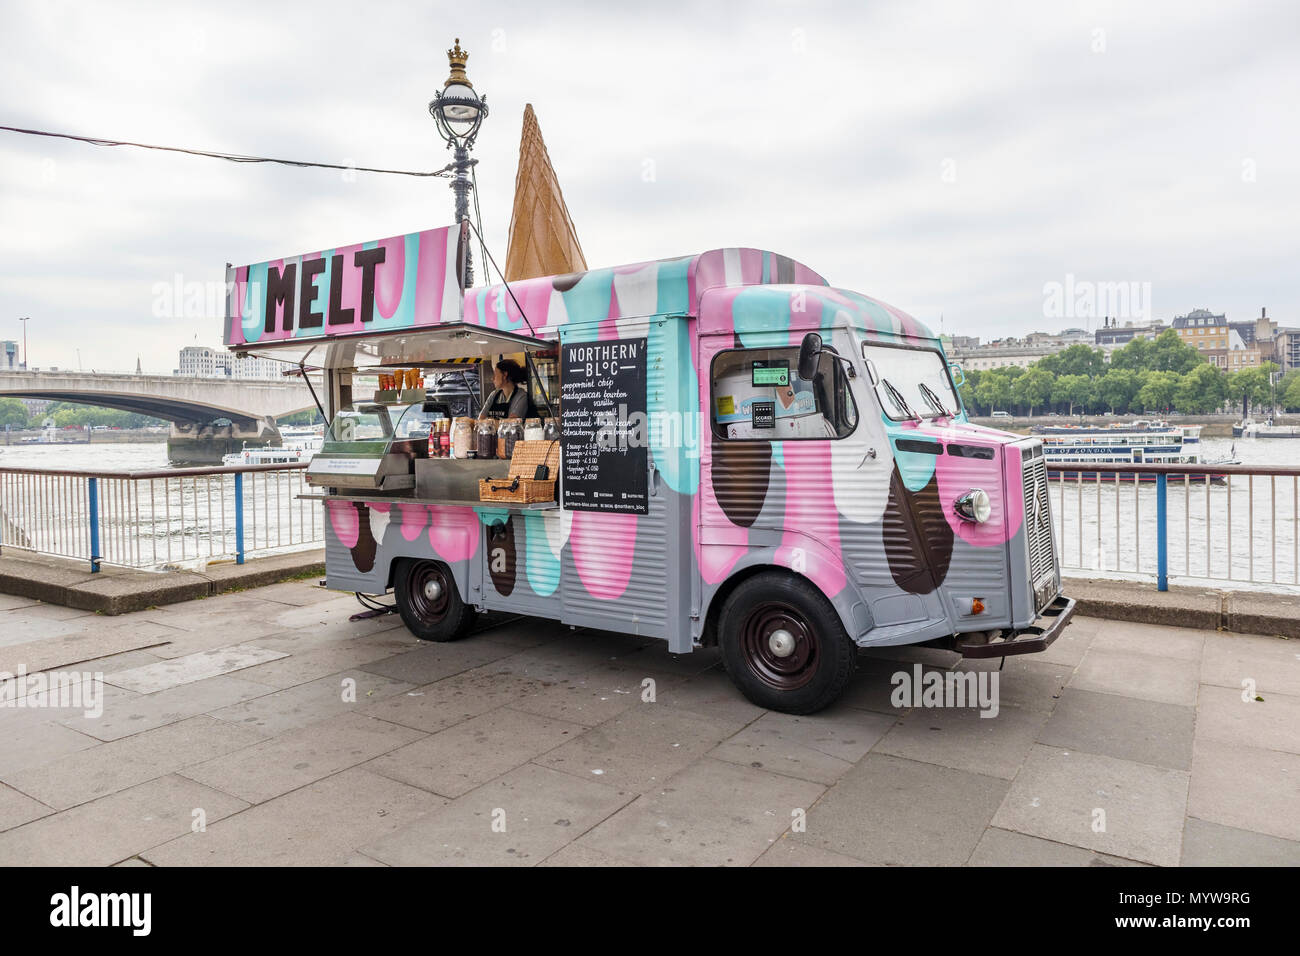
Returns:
(209, 416)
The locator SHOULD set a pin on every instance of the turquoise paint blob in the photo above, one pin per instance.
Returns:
(541, 564)
(491, 516)
(757, 310)
(673, 282)
(250, 315)
(672, 404)
(917, 468)
(778, 454)
(588, 301)
(405, 314)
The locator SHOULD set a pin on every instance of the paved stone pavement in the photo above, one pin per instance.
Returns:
(264, 727)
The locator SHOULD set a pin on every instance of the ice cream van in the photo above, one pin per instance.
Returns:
(735, 454)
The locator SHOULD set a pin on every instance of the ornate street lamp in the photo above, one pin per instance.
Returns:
(459, 112)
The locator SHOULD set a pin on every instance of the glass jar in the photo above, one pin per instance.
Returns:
(462, 437)
(551, 430)
(510, 432)
(533, 430)
(487, 438)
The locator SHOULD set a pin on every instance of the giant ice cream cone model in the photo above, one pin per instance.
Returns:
(542, 241)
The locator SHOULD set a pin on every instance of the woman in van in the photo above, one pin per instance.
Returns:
(510, 398)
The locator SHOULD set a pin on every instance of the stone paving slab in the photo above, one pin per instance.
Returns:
(958, 737)
(115, 827)
(1212, 844)
(1061, 795)
(1271, 664)
(299, 756)
(18, 808)
(1260, 720)
(712, 813)
(1246, 787)
(126, 713)
(273, 713)
(892, 811)
(820, 748)
(1008, 848)
(1129, 728)
(164, 675)
(83, 776)
(637, 750)
(454, 761)
(1170, 680)
(65, 650)
(518, 819)
(317, 825)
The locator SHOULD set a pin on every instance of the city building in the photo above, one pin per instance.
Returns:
(1112, 335)
(9, 358)
(1023, 352)
(1229, 345)
(1286, 349)
(203, 362)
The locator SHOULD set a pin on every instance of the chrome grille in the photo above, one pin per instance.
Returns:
(1038, 518)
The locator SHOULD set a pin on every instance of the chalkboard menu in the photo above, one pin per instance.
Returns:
(603, 416)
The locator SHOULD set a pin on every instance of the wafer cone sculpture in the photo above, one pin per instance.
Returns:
(542, 240)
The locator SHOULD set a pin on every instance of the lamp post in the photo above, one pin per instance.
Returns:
(459, 112)
(24, 320)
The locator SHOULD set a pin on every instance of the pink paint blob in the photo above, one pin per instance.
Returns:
(345, 521)
(453, 532)
(603, 546)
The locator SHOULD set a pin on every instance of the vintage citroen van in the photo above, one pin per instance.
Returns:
(786, 469)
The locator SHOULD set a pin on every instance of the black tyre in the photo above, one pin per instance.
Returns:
(783, 644)
(429, 601)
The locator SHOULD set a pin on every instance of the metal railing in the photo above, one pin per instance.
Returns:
(1202, 524)
(177, 517)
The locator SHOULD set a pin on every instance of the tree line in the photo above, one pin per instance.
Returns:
(1147, 376)
(15, 414)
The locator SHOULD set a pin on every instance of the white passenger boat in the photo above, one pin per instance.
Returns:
(298, 445)
(1092, 452)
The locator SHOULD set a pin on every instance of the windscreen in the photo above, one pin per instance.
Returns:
(911, 382)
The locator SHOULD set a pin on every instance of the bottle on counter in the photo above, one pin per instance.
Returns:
(462, 438)
(510, 432)
(487, 438)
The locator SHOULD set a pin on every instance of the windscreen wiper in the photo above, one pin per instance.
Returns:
(899, 400)
(933, 398)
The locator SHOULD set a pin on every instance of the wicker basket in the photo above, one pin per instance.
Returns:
(520, 487)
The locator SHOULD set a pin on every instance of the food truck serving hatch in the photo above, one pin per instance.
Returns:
(407, 348)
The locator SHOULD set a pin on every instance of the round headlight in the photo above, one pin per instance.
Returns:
(974, 506)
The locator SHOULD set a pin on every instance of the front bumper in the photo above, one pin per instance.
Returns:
(1029, 640)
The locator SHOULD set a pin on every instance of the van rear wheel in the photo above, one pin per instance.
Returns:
(429, 601)
(783, 644)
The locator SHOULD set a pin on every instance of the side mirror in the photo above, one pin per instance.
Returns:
(810, 351)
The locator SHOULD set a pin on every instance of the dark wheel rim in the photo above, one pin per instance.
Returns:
(779, 646)
(430, 593)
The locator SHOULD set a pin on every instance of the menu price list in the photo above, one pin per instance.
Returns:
(603, 395)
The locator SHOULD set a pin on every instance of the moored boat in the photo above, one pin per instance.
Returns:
(1090, 453)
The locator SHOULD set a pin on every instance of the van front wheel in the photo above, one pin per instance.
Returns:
(429, 601)
(783, 644)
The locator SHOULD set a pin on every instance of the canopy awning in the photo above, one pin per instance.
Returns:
(410, 348)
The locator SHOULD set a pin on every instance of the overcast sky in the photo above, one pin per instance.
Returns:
(947, 158)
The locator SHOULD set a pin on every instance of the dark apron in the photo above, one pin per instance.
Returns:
(500, 407)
